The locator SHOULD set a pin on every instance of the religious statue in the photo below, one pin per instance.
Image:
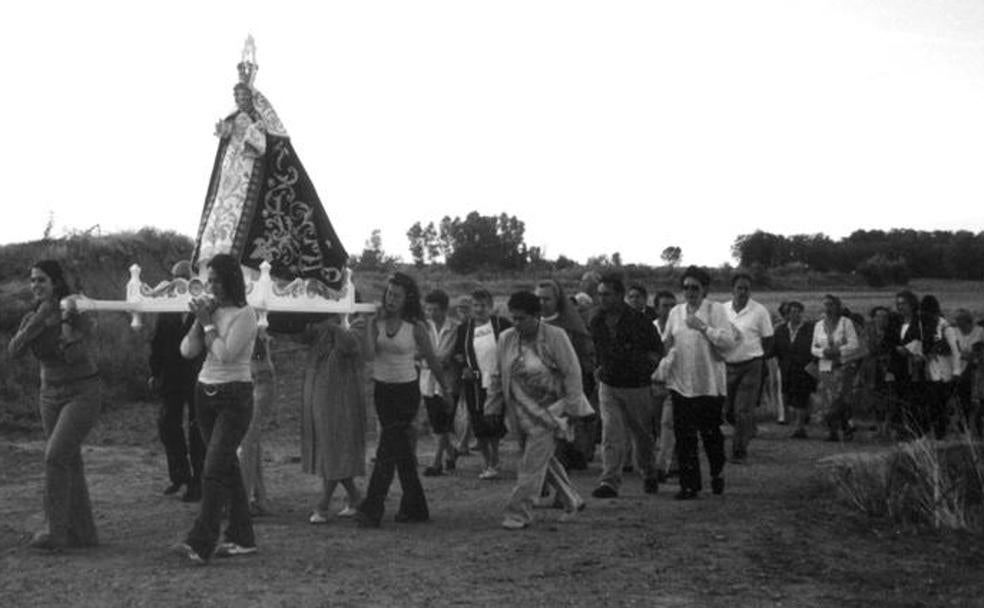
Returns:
(261, 204)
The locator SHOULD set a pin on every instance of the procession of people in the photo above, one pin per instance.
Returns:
(648, 380)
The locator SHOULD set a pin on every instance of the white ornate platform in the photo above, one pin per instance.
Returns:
(263, 293)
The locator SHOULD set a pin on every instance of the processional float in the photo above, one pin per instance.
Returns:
(262, 208)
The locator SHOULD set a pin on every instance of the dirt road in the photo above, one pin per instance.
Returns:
(778, 537)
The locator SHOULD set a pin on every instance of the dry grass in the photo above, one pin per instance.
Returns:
(922, 483)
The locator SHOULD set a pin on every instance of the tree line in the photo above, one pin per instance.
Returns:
(881, 257)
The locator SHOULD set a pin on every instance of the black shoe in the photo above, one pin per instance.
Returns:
(193, 493)
(43, 541)
(403, 518)
(433, 472)
(364, 521)
(605, 491)
(685, 495)
(650, 486)
(717, 485)
(173, 488)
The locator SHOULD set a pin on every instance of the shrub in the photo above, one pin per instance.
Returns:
(880, 270)
(920, 483)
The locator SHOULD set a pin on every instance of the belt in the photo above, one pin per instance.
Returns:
(745, 362)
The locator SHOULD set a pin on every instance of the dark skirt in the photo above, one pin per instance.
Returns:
(483, 427)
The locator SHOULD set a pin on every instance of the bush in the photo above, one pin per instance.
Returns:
(880, 270)
(921, 483)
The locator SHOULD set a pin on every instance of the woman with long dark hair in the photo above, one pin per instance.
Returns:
(396, 335)
(225, 329)
(69, 404)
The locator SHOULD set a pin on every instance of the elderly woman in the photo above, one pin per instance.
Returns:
(794, 340)
(538, 381)
(70, 401)
(834, 340)
(557, 310)
(698, 333)
(333, 416)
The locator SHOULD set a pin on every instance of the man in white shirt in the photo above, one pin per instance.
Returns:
(745, 362)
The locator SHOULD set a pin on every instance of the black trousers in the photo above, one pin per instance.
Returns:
(693, 417)
(396, 407)
(185, 458)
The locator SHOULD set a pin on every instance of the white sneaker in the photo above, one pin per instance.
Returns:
(513, 524)
(185, 551)
(489, 473)
(317, 517)
(233, 550)
(567, 517)
(347, 512)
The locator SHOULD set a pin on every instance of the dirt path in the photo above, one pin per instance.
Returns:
(776, 538)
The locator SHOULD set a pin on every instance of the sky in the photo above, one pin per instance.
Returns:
(612, 126)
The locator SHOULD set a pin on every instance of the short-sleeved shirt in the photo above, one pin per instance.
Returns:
(754, 323)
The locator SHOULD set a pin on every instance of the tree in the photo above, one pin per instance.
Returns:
(373, 257)
(672, 256)
(483, 241)
(424, 243)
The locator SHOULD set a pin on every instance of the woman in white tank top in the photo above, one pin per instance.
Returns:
(396, 335)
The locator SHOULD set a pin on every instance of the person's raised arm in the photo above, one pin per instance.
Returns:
(32, 325)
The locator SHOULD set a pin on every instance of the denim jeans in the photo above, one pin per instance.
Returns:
(693, 416)
(68, 412)
(184, 458)
(224, 412)
(396, 407)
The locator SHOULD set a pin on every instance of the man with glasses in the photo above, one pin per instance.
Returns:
(627, 348)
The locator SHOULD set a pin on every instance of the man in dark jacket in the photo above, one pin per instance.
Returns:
(173, 377)
(628, 348)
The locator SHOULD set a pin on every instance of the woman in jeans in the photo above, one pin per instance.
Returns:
(225, 329)
(70, 402)
(395, 337)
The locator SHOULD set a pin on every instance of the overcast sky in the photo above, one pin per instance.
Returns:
(606, 126)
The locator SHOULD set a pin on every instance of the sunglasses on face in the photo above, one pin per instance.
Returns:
(691, 287)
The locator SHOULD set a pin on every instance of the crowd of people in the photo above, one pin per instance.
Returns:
(650, 380)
